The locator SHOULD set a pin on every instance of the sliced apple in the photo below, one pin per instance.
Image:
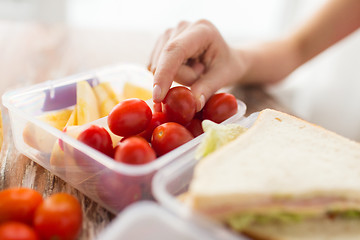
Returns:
(57, 119)
(58, 158)
(131, 90)
(109, 89)
(86, 103)
(64, 164)
(72, 121)
(106, 97)
(40, 139)
(86, 110)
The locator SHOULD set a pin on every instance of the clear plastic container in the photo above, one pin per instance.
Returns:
(114, 185)
(173, 180)
(147, 220)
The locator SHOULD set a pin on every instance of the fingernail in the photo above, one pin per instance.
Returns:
(201, 102)
(153, 68)
(156, 92)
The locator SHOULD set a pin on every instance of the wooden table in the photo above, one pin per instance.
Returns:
(32, 53)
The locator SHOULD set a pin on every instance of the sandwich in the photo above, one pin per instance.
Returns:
(282, 179)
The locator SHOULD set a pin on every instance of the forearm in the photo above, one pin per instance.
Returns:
(273, 61)
(336, 20)
(269, 62)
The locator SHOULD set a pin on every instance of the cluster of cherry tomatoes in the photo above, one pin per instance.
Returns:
(148, 134)
(24, 214)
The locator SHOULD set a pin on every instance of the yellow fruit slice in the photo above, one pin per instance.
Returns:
(106, 97)
(110, 91)
(57, 119)
(131, 90)
(57, 157)
(216, 136)
(86, 103)
(40, 139)
(72, 121)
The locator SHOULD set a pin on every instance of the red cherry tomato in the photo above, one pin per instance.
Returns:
(157, 107)
(169, 136)
(129, 117)
(134, 150)
(58, 217)
(19, 204)
(157, 119)
(220, 107)
(97, 137)
(179, 105)
(199, 115)
(17, 231)
(195, 127)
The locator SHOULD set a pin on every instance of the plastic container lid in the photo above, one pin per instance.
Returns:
(147, 220)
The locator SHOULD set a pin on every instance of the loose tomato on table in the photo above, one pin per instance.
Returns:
(19, 204)
(169, 136)
(129, 117)
(17, 231)
(220, 107)
(59, 216)
(179, 105)
(134, 150)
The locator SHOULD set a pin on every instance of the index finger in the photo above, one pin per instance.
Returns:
(190, 43)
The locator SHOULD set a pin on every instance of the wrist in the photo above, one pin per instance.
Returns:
(244, 60)
(242, 64)
(269, 62)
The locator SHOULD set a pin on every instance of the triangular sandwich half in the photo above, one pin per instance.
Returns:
(283, 174)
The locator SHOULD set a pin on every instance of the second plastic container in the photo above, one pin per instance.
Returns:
(173, 180)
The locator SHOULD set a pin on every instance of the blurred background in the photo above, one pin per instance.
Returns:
(237, 19)
(323, 91)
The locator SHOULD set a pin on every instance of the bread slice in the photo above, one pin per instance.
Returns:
(281, 164)
(325, 229)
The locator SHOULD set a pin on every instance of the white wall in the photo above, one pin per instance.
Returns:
(50, 11)
(235, 18)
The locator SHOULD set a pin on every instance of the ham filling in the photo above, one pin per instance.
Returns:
(291, 205)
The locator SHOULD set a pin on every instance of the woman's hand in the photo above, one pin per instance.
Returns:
(196, 55)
